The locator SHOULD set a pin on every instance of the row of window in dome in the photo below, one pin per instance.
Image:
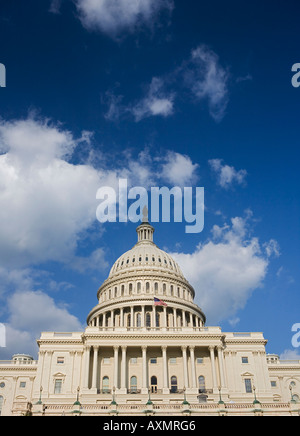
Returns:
(148, 259)
(175, 318)
(145, 287)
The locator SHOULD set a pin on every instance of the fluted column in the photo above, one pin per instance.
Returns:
(221, 365)
(144, 380)
(86, 366)
(123, 369)
(143, 317)
(95, 368)
(213, 367)
(185, 368)
(193, 367)
(165, 370)
(122, 317)
(116, 366)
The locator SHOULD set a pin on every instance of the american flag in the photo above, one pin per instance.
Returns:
(158, 302)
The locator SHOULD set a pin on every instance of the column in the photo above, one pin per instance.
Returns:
(213, 367)
(144, 356)
(122, 317)
(104, 320)
(174, 317)
(123, 372)
(131, 317)
(183, 319)
(165, 370)
(154, 317)
(185, 368)
(165, 317)
(193, 367)
(95, 368)
(221, 365)
(86, 366)
(143, 317)
(116, 366)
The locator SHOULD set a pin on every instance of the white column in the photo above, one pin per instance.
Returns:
(121, 317)
(183, 319)
(193, 367)
(165, 317)
(165, 369)
(213, 367)
(131, 317)
(143, 317)
(174, 317)
(95, 368)
(185, 368)
(123, 372)
(86, 366)
(145, 384)
(116, 366)
(221, 365)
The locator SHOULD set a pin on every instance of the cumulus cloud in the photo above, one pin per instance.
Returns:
(30, 313)
(225, 269)
(227, 175)
(45, 201)
(113, 17)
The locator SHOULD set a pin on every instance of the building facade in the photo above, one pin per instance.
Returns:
(146, 350)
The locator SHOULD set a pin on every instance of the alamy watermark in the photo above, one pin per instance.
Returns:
(296, 337)
(2, 76)
(2, 336)
(187, 205)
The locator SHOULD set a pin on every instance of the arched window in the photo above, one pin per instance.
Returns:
(172, 290)
(122, 290)
(116, 292)
(147, 287)
(148, 320)
(1, 404)
(138, 320)
(139, 287)
(133, 384)
(154, 384)
(130, 288)
(129, 320)
(156, 286)
(174, 385)
(201, 383)
(105, 385)
(164, 289)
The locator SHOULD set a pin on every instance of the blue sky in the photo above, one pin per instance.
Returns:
(162, 93)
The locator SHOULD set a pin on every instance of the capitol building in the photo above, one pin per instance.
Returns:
(147, 351)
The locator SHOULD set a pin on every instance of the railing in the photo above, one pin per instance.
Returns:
(134, 391)
(18, 362)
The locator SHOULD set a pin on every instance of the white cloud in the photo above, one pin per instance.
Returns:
(113, 17)
(156, 102)
(45, 201)
(30, 313)
(227, 175)
(208, 80)
(225, 271)
(179, 170)
(55, 6)
(290, 355)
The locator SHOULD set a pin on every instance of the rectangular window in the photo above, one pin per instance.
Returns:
(60, 360)
(106, 360)
(248, 385)
(22, 384)
(133, 360)
(153, 361)
(199, 360)
(173, 360)
(245, 360)
(58, 386)
(273, 384)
